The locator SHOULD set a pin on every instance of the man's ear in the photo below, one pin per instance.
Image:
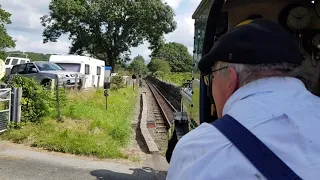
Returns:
(233, 81)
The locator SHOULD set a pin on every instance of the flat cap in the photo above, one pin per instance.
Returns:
(261, 41)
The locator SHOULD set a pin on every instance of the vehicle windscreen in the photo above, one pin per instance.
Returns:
(73, 67)
(47, 66)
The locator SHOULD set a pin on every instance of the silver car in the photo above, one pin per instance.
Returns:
(44, 72)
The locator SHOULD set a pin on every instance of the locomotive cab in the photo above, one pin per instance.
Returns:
(214, 18)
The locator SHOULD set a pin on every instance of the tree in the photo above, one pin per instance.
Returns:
(138, 65)
(38, 56)
(159, 65)
(5, 40)
(31, 55)
(121, 69)
(176, 54)
(108, 28)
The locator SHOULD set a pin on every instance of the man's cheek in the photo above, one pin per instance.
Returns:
(216, 95)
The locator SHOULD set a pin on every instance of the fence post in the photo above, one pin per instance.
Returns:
(127, 80)
(16, 111)
(53, 86)
(19, 99)
(84, 82)
(98, 85)
(106, 91)
(58, 98)
(14, 106)
(76, 82)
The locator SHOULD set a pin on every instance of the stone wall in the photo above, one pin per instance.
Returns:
(170, 91)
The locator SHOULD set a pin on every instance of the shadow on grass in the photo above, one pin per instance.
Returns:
(145, 173)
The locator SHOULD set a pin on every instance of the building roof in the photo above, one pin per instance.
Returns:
(204, 5)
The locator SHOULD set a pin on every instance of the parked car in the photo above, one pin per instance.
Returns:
(13, 60)
(44, 72)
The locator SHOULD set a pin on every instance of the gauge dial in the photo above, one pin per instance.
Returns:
(299, 18)
(316, 41)
(311, 41)
(295, 17)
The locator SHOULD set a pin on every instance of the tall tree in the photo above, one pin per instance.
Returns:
(138, 65)
(108, 28)
(5, 40)
(159, 65)
(176, 54)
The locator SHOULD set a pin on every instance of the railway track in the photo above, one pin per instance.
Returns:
(163, 118)
(172, 94)
(162, 113)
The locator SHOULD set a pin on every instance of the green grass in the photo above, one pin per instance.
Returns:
(176, 78)
(87, 127)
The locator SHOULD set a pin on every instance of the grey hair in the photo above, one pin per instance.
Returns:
(248, 73)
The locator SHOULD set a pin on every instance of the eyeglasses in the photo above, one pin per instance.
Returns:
(208, 78)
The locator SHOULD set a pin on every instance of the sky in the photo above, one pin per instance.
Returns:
(26, 28)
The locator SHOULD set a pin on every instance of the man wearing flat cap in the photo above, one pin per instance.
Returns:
(268, 126)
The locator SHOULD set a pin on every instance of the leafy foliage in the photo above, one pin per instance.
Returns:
(159, 65)
(117, 83)
(37, 102)
(138, 66)
(159, 74)
(121, 69)
(35, 99)
(174, 78)
(176, 54)
(5, 40)
(107, 29)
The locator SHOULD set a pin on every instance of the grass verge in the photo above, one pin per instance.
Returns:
(87, 127)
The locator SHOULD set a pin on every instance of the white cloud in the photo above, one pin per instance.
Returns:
(184, 32)
(25, 44)
(173, 3)
(141, 50)
(194, 3)
(25, 15)
(185, 26)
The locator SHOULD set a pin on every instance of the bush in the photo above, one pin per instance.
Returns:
(36, 101)
(175, 78)
(159, 65)
(117, 83)
(159, 74)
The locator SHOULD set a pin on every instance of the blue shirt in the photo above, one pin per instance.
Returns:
(281, 112)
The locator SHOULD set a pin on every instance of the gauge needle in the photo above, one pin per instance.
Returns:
(297, 17)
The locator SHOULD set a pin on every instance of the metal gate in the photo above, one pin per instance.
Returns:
(5, 108)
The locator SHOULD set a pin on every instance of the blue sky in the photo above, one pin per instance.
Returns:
(27, 30)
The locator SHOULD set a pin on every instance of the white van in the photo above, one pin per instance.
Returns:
(11, 61)
(92, 69)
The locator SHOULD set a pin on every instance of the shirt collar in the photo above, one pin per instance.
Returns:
(263, 85)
